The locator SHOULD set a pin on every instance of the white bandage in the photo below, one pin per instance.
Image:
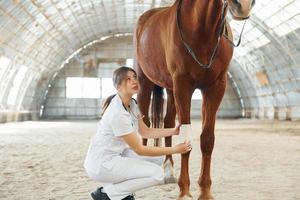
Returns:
(185, 132)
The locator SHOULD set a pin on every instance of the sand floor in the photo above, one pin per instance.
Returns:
(251, 160)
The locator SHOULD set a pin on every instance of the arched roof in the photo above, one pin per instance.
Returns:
(38, 36)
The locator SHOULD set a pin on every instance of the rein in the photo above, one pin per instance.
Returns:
(220, 34)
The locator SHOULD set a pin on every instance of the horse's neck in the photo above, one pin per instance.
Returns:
(201, 17)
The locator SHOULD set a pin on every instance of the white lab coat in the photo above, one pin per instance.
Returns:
(110, 160)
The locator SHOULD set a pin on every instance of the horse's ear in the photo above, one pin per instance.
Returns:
(134, 100)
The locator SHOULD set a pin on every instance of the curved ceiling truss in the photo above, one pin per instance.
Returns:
(39, 36)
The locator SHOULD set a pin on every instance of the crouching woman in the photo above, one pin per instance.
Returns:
(116, 155)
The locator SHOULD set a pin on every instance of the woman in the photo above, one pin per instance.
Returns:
(116, 155)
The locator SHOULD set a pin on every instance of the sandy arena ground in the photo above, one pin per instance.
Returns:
(255, 160)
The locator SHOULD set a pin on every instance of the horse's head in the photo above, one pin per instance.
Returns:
(240, 9)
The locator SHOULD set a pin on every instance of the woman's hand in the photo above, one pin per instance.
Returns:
(183, 148)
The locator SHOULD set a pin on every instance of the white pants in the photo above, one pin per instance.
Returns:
(131, 173)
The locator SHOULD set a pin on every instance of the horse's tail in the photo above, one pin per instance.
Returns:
(157, 106)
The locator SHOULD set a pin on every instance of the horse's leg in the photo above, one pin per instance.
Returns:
(169, 122)
(182, 94)
(212, 98)
(144, 97)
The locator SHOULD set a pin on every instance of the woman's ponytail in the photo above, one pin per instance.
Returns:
(107, 102)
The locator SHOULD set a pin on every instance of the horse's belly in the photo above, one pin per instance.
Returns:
(156, 74)
(151, 58)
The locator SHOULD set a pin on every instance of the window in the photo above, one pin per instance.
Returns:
(129, 62)
(78, 87)
(13, 93)
(107, 87)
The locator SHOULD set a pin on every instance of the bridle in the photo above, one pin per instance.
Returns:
(220, 34)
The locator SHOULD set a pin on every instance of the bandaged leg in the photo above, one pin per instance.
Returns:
(185, 133)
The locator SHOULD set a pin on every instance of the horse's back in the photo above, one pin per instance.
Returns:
(149, 17)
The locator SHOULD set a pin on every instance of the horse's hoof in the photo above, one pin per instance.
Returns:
(205, 194)
(169, 173)
(171, 179)
(206, 197)
(187, 196)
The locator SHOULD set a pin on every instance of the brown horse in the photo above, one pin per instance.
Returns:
(182, 48)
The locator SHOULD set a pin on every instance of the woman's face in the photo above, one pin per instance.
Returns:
(130, 85)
